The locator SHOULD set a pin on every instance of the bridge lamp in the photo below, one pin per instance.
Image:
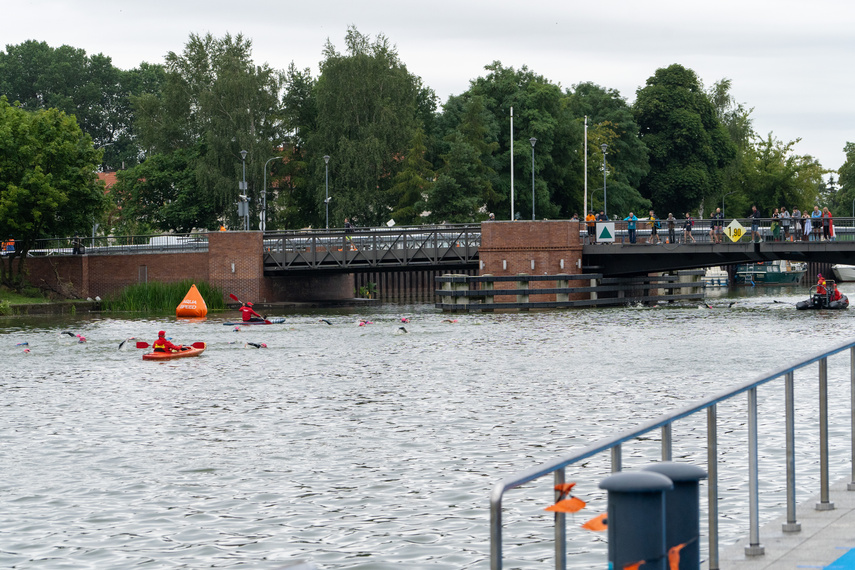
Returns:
(263, 225)
(605, 147)
(327, 195)
(533, 141)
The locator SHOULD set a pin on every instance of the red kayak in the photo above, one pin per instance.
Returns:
(189, 351)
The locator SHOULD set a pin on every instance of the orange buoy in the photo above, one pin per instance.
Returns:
(193, 304)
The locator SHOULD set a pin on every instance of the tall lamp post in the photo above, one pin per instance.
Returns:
(605, 147)
(722, 201)
(263, 225)
(243, 188)
(533, 141)
(327, 198)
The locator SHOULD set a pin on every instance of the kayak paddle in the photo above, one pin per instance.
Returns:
(143, 344)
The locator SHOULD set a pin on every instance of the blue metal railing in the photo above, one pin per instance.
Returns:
(613, 445)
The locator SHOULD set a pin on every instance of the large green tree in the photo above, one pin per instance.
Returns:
(363, 112)
(846, 179)
(688, 147)
(611, 122)
(39, 76)
(48, 185)
(217, 102)
(541, 111)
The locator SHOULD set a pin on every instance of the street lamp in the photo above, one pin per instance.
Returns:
(327, 199)
(533, 141)
(605, 147)
(263, 225)
(243, 187)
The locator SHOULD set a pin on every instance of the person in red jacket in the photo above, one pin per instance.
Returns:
(248, 314)
(163, 345)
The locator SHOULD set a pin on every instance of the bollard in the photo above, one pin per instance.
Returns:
(636, 518)
(682, 511)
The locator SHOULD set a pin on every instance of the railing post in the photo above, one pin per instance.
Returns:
(616, 459)
(496, 530)
(560, 527)
(824, 504)
(791, 525)
(488, 286)
(712, 496)
(851, 485)
(666, 442)
(562, 283)
(522, 284)
(754, 547)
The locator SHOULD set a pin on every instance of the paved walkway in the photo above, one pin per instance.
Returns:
(826, 541)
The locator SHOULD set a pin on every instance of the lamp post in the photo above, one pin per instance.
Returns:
(605, 147)
(243, 188)
(263, 225)
(327, 199)
(533, 141)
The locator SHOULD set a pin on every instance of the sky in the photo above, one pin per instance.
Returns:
(787, 60)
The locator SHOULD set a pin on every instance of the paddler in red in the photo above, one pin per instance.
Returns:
(163, 345)
(247, 313)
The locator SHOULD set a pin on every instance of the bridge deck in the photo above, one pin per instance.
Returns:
(825, 537)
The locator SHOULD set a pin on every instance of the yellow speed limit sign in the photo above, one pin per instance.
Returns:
(734, 231)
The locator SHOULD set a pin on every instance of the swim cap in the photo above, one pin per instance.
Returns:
(161, 333)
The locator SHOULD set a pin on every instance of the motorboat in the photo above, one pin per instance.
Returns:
(777, 272)
(843, 272)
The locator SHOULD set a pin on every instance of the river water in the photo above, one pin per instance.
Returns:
(366, 447)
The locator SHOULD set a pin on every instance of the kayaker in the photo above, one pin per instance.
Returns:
(248, 313)
(163, 345)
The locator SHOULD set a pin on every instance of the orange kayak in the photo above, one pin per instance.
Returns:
(190, 351)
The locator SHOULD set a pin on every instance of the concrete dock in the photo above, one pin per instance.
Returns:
(825, 539)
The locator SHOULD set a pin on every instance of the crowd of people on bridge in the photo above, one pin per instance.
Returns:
(781, 225)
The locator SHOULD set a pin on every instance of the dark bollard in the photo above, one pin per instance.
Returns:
(682, 510)
(636, 519)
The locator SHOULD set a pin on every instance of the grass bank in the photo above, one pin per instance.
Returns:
(161, 297)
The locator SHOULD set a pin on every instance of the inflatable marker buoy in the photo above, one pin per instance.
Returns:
(193, 304)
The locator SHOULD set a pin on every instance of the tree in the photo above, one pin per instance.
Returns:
(611, 122)
(540, 111)
(48, 185)
(413, 184)
(367, 115)
(216, 101)
(775, 176)
(88, 87)
(846, 179)
(688, 147)
(162, 193)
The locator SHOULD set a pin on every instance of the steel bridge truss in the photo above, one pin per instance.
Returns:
(372, 249)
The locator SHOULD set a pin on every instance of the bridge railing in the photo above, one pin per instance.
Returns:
(374, 247)
(119, 245)
(769, 230)
(613, 445)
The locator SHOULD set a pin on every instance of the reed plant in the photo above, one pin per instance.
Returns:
(161, 297)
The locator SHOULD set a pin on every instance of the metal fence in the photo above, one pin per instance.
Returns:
(120, 245)
(664, 423)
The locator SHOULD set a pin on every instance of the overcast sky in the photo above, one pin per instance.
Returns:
(788, 60)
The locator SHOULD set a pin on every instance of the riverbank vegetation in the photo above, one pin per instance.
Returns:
(180, 134)
(161, 297)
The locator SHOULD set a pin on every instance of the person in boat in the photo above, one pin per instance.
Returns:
(163, 345)
(248, 313)
(836, 295)
(820, 285)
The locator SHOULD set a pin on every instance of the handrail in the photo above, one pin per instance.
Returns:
(664, 422)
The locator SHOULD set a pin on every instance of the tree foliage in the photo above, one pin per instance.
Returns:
(688, 147)
(88, 87)
(611, 122)
(48, 185)
(216, 101)
(363, 112)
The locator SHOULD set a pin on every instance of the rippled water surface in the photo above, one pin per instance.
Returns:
(371, 448)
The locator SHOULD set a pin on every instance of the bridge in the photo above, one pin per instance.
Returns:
(456, 247)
